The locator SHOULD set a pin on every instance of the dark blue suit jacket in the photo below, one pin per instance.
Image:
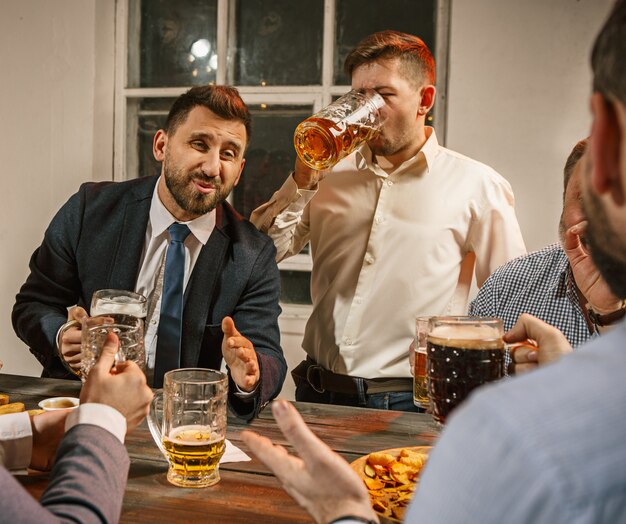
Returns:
(95, 242)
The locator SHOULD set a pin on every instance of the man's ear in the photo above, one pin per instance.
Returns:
(243, 163)
(427, 99)
(158, 145)
(606, 153)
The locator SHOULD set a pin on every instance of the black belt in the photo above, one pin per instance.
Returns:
(322, 380)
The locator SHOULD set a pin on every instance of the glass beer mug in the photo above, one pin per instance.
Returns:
(192, 432)
(333, 133)
(463, 353)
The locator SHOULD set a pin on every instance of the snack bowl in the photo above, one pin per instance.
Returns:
(56, 403)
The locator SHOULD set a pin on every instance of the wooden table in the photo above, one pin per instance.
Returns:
(247, 492)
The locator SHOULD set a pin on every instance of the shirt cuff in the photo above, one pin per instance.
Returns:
(16, 440)
(240, 393)
(100, 415)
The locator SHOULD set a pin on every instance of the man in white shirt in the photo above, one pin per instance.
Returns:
(547, 447)
(90, 466)
(397, 230)
(120, 235)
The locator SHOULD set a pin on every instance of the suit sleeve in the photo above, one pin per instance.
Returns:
(52, 285)
(86, 484)
(256, 317)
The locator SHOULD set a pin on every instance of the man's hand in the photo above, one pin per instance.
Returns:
(48, 429)
(586, 274)
(240, 357)
(305, 177)
(548, 343)
(69, 344)
(319, 480)
(123, 387)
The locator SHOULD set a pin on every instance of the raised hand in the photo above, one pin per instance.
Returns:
(318, 479)
(240, 357)
(305, 177)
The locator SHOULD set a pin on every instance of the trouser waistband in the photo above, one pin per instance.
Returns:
(322, 380)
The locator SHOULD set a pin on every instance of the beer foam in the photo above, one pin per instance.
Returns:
(467, 336)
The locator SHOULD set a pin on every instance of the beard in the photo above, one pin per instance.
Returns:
(608, 249)
(189, 198)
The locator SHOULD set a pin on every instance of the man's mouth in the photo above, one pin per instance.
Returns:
(203, 186)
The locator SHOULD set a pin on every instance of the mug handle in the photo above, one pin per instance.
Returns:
(153, 422)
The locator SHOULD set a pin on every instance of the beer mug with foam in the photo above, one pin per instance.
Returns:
(188, 423)
(333, 133)
(462, 354)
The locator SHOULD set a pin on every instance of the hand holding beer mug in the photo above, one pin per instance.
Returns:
(333, 133)
(462, 354)
(192, 433)
(129, 331)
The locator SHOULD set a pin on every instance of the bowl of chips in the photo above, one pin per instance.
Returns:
(391, 476)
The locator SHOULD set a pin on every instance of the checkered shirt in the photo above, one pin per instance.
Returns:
(540, 283)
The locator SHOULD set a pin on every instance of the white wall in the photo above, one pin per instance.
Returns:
(519, 82)
(56, 60)
(518, 87)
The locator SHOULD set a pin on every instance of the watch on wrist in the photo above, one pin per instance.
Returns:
(608, 318)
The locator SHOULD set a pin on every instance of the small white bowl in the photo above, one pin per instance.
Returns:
(56, 403)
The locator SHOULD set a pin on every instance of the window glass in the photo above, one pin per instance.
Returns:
(355, 19)
(270, 156)
(177, 43)
(295, 287)
(279, 42)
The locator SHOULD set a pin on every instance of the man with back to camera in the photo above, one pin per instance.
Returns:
(83, 447)
(555, 284)
(396, 230)
(545, 447)
(120, 235)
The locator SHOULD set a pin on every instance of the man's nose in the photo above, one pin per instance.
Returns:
(211, 163)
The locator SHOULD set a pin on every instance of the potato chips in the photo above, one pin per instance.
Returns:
(390, 477)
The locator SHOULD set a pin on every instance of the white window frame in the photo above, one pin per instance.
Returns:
(318, 95)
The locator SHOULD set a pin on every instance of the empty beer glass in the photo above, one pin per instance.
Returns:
(333, 133)
(192, 431)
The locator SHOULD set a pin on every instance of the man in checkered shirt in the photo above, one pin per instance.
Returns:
(548, 283)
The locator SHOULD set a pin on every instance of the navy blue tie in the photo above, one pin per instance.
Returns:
(171, 317)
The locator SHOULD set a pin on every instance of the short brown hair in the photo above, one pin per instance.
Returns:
(572, 160)
(224, 101)
(413, 53)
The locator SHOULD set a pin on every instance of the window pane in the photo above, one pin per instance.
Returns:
(356, 19)
(177, 43)
(295, 287)
(151, 116)
(279, 42)
(270, 156)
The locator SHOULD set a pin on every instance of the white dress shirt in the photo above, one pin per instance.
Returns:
(155, 246)
(387, 248)
(16, 434)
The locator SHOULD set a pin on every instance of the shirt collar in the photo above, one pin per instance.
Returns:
(161, 219)
(429, 152)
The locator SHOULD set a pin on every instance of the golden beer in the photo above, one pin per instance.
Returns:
(420, 388)
(194, 454)
(321, 143)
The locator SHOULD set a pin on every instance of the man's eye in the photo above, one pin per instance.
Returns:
(198, 144)
(229, 155)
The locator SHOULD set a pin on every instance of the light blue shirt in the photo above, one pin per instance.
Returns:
(547, 447)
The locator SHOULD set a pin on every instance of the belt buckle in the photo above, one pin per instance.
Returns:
(310, 373)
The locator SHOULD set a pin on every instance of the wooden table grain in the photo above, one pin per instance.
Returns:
(247, 492)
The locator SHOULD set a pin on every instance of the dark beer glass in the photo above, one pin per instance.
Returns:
(462, 354)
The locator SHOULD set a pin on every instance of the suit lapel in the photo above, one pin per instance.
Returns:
(200, 292)
(130, 243)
